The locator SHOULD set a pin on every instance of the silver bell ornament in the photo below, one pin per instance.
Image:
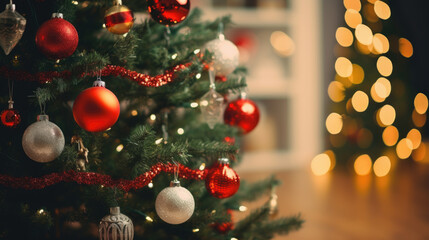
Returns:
(12, 26)
(43, 141)
(175, 204)
(225, 55)
(116, 226)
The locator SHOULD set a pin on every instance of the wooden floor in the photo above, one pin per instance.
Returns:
(342, 206)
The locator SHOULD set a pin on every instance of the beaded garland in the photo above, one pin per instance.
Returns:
(110, 70)
(92, 178)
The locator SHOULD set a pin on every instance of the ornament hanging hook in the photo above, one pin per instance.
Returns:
(10, 87)
(176, 171)
(212, 78)
(167, 34)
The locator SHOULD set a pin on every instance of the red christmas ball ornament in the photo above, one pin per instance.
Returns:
(221, 180)
(168, 12)
(57, 38)
(10, 117)
(119, 19)
(96, 109)
(243, 113)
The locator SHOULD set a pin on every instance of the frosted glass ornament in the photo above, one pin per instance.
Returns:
(175, 204)
(225, 55)
(43, 141)
(12, 26)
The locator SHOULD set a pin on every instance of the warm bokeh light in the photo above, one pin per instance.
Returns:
(343, 67)
(344, 37)
(405, 47)
(358, 74)
(363, 34)
(352, 4)
(375, 96)
(404, 148)
(380, 43)
(320, 164)
(386, 115)
(382, 166)
(384, 66)
(336, 91)
(415, 137)
(421, 103)
(282, 43)
(419, 120)
(390, 135)
(334, 123)
(383, 87)
(353, 18)
(382, 10)
(362, 165)
(360, 101)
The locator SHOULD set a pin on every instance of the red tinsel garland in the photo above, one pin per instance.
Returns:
(92, 178)
(110, 70)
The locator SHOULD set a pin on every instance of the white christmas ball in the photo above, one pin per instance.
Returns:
(43, 141)
(225, 56)
(175, 204)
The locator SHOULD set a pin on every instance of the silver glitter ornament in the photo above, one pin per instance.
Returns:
(225, 55)
(175, 204)
(116, 226)
(212, 104)
(12, 26)
(43, 141)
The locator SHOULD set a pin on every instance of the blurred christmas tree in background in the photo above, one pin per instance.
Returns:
(150, 138)
(375, 117)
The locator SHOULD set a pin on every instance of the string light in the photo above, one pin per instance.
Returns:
(119, 148)
(242, 208)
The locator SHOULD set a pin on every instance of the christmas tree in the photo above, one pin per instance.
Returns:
(375, 117)
(106, 109)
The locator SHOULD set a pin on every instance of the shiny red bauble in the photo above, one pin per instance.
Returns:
(57, 38)
(10, 117)
(96, 109)
(221, 180)
(243, 113)
(168, 12)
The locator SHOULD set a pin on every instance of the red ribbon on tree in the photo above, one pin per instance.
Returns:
(92, 178)
(110, 70)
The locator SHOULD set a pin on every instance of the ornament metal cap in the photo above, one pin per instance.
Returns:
(99, 83)
(223, 160)
(57, 15)
(42, 117)
(117, 2)
(115, 210)
(175, 183)
(11, 7)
